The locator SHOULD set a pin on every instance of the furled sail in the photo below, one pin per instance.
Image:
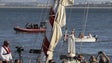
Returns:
(57, 19)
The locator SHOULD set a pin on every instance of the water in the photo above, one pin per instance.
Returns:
(99, 23)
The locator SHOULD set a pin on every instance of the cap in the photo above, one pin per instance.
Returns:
(6, 42)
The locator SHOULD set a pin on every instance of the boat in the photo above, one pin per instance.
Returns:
(31, 28)
(81, 37)
(86, 39)
(20, 29)
(89, 37)
(53, 35)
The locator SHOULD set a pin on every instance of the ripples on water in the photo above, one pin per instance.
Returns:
(98, 23)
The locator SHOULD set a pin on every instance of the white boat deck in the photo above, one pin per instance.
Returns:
(87, 39)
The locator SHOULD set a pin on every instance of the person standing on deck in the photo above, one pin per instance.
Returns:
(5, 53)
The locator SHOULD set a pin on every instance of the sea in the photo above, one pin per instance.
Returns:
(97, 21)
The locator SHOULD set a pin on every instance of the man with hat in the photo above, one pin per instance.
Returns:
(5, 52)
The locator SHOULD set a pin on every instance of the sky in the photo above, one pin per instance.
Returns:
(52, 0)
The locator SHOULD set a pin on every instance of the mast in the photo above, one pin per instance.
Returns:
(57, 19)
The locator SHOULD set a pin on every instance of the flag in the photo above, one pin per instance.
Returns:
(57, 19)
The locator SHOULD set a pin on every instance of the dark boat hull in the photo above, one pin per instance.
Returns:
(18, 29)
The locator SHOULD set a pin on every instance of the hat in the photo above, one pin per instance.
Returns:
(6, 42)
(93, 59)
(80, 57)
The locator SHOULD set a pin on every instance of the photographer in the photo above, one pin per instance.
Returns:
(19, 51)
(103, 58)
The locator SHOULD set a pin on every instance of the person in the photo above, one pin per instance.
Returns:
(73, 31)
(17, 61)
(81, 35)
(103, 58)
(36, 26)
(81, 58)
(29, 26)
(93, 59)
(89, 35)
(96, 36)
(65, 39)
(5, 53)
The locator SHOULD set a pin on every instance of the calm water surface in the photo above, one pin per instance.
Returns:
(99, 23)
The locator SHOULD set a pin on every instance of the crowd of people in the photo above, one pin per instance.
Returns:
(31, 26)
(6, 56)
(35, 26)
(100, 58)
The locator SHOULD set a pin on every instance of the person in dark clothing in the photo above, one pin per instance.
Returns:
(93, 59)
(103, 58)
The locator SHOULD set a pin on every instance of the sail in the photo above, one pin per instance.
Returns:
(57, 19)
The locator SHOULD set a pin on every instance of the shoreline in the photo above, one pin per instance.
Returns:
(66, 7)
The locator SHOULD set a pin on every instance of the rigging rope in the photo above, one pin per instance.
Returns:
(40, 18)
(69, 15)
(85, 17)
(46, 10)
(44, 18)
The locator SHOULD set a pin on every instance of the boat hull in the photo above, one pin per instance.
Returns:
(84, 39)
(93, 39)
(19, 29)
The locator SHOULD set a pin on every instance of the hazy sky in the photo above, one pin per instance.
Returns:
(51, 0)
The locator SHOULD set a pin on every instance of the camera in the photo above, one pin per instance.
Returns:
(19, 49)
(100, 52)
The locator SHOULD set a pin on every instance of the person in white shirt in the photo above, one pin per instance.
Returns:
(5, 53)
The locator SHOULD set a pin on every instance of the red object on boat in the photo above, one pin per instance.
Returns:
(37, 30)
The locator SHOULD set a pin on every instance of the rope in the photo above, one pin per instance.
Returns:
(85, 17)
(40, 56)
(40, 18)
(46, 10)
(69, 15)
